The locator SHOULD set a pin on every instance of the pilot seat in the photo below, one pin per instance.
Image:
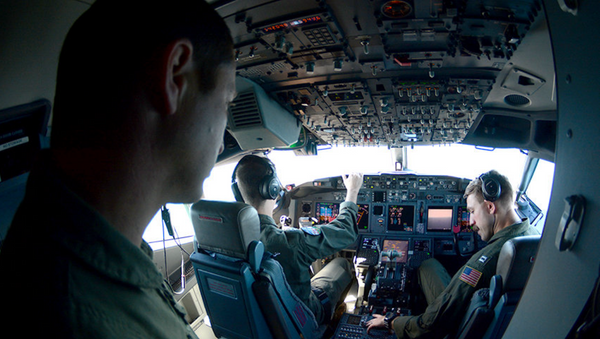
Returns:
(491, 309)
(244, 289)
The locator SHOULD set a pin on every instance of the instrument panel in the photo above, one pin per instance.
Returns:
(391, 205)
(403, 220)
(423, 211)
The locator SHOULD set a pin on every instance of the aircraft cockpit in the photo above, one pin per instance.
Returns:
(403, 219)
(419, 96)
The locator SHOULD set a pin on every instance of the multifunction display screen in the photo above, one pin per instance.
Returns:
(401, 218)
(326, 212)
(394, 250)
(439, 218)
(363, 217)
(463, 219)
(369, 243)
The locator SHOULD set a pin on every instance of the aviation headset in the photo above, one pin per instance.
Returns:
(268, 188)
(490, 186)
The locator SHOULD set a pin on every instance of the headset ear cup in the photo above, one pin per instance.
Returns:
(269, 187)
(274, 188)
(491, 188)
(236, 192)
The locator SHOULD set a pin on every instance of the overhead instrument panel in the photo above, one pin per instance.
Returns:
(389, 73)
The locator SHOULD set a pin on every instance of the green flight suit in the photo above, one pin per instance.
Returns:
(67, 273)
(445, 313)
(298, 250)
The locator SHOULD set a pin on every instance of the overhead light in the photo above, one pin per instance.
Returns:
(337, 65)
(310, 67)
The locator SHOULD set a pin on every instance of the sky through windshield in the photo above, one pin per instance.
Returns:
(453, 160)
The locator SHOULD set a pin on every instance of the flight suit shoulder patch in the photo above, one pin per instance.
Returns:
(470, 276)
(311, 230)
(483, 259)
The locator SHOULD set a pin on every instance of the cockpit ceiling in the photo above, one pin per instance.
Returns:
(399, 73)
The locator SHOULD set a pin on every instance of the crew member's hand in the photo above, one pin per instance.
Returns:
(377, 321)
(353, 183)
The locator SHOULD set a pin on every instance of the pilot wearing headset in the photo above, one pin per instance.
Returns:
(490, 200)
(255, 182)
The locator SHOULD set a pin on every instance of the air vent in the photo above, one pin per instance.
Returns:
(517, 100)
(256, 120)
(244, 111)
(276, 67)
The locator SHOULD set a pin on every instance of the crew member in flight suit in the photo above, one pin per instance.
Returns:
(490, 201)
(140, 85)
(255, 182)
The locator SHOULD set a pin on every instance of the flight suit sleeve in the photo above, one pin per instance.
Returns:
(334, 236)
(445, 313)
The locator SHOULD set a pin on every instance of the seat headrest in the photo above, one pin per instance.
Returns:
(225, 227)
(516, 258)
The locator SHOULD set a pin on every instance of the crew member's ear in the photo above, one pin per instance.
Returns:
(490, 207)
(177, 62)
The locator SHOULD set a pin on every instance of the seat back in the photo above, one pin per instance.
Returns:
(514, 266)
(23, 132)
(492, 308)
(244, 290)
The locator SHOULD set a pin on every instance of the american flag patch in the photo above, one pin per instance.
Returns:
(470, 276)
(300, 316)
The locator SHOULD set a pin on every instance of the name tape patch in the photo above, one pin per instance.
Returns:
(311, 230)
(208, 218)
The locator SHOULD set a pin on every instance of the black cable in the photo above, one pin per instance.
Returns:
(166, 221)
(165, 250)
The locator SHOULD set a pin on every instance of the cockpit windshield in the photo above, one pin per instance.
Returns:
(453, 160)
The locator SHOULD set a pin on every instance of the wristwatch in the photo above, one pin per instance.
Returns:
(389, 319)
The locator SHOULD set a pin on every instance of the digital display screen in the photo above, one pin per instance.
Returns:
(369, 243)
(422, 245)
(345, 96)
(394, 250)
(354, 319)
(326, 212)
(293, 23)
(463, 219)
(401, 218)
(439, 218)
(379, 196)
(363, 217)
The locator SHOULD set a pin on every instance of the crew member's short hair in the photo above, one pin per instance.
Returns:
(108, 49)
(250, 173)
(506, 195)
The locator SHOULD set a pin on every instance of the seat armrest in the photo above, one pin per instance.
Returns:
(495, 290)
(473, 316)
(255, 253)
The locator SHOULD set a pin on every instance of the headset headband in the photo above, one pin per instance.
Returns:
(268, 187)
(251, 157)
